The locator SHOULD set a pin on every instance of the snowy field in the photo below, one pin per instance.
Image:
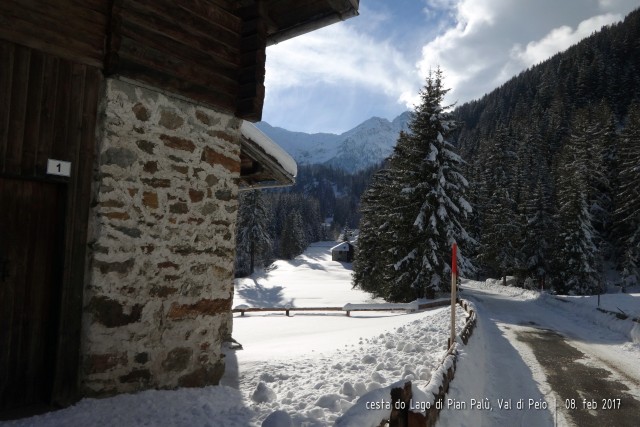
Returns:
(310, 280)
(315, 366)
(311, 366)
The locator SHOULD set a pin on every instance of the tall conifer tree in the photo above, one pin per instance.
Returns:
(578, 257)
(253, 238)
(424, 206)
(628, 198)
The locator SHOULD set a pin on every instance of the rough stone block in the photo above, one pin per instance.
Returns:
(122, 267)
(195, 195)
(179, 208)
(122, 157)
(177, 359)
(150, 167)
(99, 363)
(141, 112)
(170, 119)
(141, 376)
(205, 307)
(111, 313)
(178, 143)
(150, 199)
(203, 376)
(214, 158)
(146, 146)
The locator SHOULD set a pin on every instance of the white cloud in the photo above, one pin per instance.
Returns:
(339, 56)
(560, 39)
(333, 78)
(492, 40)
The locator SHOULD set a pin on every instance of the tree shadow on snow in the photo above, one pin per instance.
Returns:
(310, 262)
(261, 296)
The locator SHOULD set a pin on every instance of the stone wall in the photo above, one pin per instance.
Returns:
(160, 286)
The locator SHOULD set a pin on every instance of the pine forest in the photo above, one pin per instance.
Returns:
(538, 180)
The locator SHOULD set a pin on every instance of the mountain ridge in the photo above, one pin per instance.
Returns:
(367, 144)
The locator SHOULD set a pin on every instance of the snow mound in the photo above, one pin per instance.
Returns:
(263, 394)
(278, 419)
(368, 359)
(329, 401)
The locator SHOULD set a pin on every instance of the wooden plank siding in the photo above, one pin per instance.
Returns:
(48, 109)
(252, 61)
(31, 222)
(212, 51)
(70, 29)
(191, 48)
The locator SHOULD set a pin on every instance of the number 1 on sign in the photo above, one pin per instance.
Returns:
(58, 167)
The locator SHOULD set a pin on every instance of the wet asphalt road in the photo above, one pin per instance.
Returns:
(587, 394)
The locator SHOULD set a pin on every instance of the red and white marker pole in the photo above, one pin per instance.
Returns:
(454, 281)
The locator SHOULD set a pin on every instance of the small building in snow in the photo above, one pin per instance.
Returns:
(343, 252)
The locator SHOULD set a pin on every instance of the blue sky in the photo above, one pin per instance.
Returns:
(332, 79)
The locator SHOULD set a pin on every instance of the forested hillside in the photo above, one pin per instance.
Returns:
(553, 158)
(280, 224)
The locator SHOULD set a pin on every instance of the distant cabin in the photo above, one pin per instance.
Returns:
(343, 252)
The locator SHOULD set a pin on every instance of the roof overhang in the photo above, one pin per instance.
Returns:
(291, 18)
(264, 164)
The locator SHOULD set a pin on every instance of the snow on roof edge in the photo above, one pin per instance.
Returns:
(341, 244)
(284, 159)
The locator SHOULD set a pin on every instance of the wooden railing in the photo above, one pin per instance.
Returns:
(348, 308)
(438, 385)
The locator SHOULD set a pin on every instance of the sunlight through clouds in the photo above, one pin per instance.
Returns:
(493, 40)
(374, 64)
(560, 39)
(339, 55)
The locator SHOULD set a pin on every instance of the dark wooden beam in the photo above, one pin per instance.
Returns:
(48, 27)
(253, 56)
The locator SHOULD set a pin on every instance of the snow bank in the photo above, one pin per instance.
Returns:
(209, 406)
(320, 384)
(376, 406)
(410, 306)
(584, 307)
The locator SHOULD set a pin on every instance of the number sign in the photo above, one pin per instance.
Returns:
(58, 167)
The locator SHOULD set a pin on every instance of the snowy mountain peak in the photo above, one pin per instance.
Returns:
(367, 144)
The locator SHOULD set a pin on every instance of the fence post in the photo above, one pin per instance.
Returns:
(454, 271)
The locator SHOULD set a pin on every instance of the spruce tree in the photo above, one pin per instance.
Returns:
(627, 214)
(293, 240)
(538, 229)
(578, 257)
(253, 237)
(423, 206)
(500, 234)
(371, 266)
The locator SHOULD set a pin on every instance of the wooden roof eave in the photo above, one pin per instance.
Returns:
(267, 173)
(314, 23)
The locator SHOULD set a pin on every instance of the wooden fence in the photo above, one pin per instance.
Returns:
(347, 308)
(442, 377)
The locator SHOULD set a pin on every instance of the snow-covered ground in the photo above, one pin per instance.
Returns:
(315, 366)
(311, 366)
(499, 364)
(627, 303)
(310, 280)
